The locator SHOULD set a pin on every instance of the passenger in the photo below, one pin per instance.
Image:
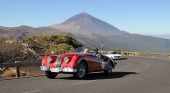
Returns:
(99, 55)
(86, 50)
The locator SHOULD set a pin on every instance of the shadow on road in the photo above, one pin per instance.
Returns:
(124, 58)
(98, 76)
(121, 59)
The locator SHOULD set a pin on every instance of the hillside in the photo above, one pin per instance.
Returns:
(163, 36)
(135, 42)
(23, 31)
(19, 50)
(31, 48)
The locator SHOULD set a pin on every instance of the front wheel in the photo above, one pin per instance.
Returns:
(50, 75)
(81, 71)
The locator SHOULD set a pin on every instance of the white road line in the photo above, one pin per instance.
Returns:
(144, 67)
(84, 82)
(32, 91)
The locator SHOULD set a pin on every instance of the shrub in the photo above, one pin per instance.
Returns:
(11, 72)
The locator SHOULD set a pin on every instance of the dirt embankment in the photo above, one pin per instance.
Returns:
(20, 50)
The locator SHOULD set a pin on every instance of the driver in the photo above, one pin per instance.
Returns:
(99, 55)
(95, 51)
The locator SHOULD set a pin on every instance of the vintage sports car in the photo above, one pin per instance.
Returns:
(77, 63)
(114, 55)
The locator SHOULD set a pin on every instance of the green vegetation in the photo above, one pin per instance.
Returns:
(56, 43)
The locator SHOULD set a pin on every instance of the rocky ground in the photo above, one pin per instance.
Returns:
(20, 50)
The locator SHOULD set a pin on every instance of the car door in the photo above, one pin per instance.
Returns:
(92, 65)
(100, 64)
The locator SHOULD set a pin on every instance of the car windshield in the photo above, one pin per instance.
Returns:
(114, 52)
(79, 50)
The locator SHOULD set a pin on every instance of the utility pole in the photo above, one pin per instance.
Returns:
(102, 47)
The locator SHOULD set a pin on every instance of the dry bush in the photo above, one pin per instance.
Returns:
(24, 71)
(11, 72)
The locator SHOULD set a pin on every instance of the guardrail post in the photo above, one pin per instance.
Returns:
(148, 54)
(138, 54)
(17, 69)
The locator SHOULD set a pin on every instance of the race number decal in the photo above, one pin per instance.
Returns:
(103, 65)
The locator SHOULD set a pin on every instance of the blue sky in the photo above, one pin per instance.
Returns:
(134, 16)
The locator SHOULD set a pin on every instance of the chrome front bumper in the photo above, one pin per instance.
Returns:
(58, 70)
(117, 57)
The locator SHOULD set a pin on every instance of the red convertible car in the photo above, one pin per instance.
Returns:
(77, 63)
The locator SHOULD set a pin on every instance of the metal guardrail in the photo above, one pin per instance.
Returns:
(148, 54)
(140, 53)
(137, 53)
(19, 64)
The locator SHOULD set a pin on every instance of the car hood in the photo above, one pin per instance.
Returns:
(78, 54)
(114, 54)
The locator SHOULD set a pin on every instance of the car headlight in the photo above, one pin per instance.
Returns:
(49, 59)
(66, 59)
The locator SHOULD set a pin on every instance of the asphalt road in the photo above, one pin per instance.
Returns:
(131, 75)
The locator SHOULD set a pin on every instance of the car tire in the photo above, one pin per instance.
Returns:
(109, 68)
(81, 71)
(50, 75)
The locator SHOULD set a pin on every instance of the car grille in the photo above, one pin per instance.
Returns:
(117, 57)
(58, 61)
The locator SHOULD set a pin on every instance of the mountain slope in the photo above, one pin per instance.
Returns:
(162, 36)
(84, 23)
(91, 31)
(23, 31)
(135, 42)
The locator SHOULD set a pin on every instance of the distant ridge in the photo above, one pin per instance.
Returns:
(90, 31)
(85, 23)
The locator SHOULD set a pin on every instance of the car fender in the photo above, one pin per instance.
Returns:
(113, 62)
